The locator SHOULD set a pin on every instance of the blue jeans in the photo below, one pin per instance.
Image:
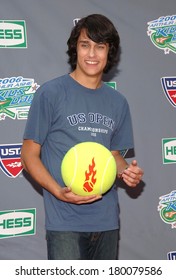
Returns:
(63, 245)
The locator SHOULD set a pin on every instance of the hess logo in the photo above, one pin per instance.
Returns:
(10, 161)
(12, 34)
(17, 222)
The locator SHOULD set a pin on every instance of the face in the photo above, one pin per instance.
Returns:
(91, 56)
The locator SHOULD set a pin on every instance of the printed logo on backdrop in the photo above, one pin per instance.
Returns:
(169, 150)
(169, 88)
(167, 208)
(75, 21)
(16, 94)
(162, 32)
(112, 84)
(10, 161)
(21, 222)
(171, 255)
(13, 34)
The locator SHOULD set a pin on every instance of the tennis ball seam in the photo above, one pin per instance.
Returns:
(75, 168)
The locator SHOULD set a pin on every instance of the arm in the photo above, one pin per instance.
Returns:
(130, 173)
(30, 158)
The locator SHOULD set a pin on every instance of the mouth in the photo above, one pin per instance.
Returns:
(90, 62)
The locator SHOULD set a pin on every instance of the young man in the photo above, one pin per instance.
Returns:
(66, 111)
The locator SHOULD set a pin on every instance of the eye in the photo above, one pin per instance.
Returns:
(101, 46)
(84, 45)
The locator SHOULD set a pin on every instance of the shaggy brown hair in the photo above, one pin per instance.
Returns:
(100, 30)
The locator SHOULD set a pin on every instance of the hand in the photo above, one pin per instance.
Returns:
(65, 194)
(133, 174)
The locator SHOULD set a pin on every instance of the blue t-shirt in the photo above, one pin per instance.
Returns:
(64, 113)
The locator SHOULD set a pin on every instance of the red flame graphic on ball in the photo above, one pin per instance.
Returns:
(90, 179)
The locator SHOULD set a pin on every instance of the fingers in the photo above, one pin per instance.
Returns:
(87, 199)
(67, 189)
(131, 179)
(133, 175)
(69, 196)
(134, 163)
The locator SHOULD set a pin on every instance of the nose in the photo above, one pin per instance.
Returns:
(92, 51)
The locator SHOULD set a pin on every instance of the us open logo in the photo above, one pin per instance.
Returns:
(75, 21)
(171, 255)
(169, 88)
(10, 160)
(13, 34)
(17, 223)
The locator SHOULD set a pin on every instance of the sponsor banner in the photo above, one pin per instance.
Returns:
(171, 255)
(167, 208)
(75, 21)
(169, 150)
(169, 88)
(112, 84)
(16, 94)
(17, 223)
(162, 33)
(13, 34)
(10, 161)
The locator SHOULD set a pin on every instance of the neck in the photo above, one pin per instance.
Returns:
(87, 81)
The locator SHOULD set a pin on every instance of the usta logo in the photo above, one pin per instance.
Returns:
(10, 161)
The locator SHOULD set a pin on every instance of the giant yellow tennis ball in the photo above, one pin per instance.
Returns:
(88, 168)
